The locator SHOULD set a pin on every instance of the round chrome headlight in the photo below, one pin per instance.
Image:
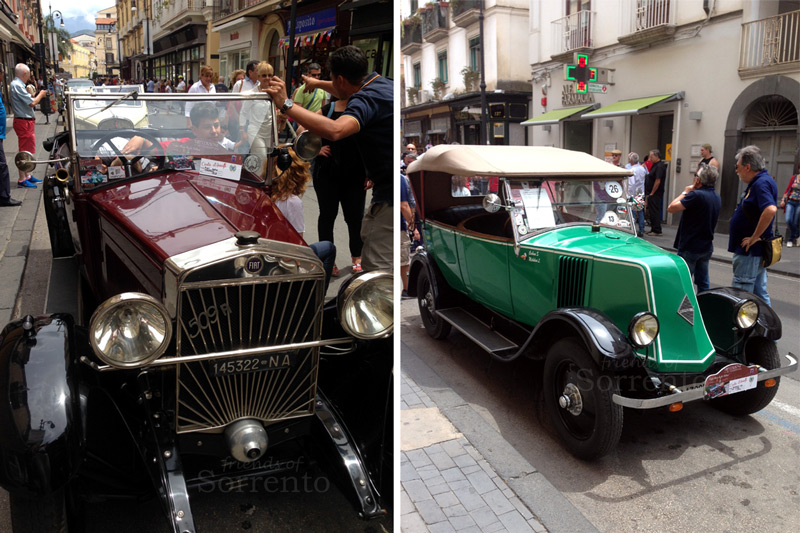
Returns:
(130, 330)
(366, 305)
(746, 314)
(643, 329)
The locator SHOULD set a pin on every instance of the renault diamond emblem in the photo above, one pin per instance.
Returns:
(686, 310)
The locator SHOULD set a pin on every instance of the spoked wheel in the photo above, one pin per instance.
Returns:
(437, 327)
(578, 399)
(757, 351)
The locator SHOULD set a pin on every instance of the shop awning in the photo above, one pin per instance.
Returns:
(632, 107)
(555, 116)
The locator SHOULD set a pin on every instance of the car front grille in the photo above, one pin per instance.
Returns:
(571, 281)
(242, 314)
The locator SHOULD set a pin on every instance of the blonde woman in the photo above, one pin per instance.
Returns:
(255, 119)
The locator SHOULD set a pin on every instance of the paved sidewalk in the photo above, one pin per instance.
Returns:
(458, 473)
(16, 223)
(448, 485)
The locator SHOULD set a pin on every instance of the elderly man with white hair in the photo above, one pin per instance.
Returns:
(22, 103)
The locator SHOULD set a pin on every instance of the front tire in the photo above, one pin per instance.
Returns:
(578, 397)
(437, 327)
(762, 352)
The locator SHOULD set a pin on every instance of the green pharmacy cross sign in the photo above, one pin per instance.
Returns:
(580, 73)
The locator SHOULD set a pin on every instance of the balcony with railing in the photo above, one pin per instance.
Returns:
(571, 34)
(465, 12)
(168, 14)
(435, 23)
(770, 46)
(650, 21)
(225, 8)
(411, 40)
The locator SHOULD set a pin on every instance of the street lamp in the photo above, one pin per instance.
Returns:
(52, 36)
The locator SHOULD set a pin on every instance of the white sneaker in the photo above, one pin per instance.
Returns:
(789, 244)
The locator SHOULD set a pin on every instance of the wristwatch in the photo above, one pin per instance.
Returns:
(287, 105)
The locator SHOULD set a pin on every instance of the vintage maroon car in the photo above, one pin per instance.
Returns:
(201, 340)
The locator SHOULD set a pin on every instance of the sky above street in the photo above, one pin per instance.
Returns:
(85, 10)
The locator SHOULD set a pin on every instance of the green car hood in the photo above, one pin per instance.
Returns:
(624, 275)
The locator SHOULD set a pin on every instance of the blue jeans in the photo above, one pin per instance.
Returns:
(698, 267)
(326, 252)
(639, 216)
(750, 275)
(793, 218)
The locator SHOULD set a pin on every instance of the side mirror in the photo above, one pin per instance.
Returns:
(307, 145)
(491, 203)
(24, 161)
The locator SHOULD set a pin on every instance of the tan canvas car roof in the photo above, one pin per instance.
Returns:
(510, 161)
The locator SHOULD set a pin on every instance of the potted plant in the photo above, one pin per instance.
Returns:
(471, 79)
(413, 94)
(438, 88)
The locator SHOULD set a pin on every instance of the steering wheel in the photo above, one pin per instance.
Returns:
(130, 134)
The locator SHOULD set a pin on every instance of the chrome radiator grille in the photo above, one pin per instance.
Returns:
(245, 314)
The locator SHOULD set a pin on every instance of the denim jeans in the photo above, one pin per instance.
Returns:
(793, 218)
(639, 216)
(326, 252)
(750, 275)
(698, 267)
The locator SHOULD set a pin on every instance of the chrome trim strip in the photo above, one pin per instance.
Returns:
(696, 392)
(167, 361)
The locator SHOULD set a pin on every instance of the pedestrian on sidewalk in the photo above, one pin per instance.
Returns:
(751, 223)
(708, 157)
(790, 203)
(5, 178)
(694, 240)
(636, 188)
(654, 189)
(24, 118)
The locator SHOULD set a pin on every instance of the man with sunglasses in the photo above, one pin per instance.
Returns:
(311, 99)
(700, 205)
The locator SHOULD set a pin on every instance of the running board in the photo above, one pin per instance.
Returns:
(479, 332)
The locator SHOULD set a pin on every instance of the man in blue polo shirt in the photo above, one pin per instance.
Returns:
(5, 178)
(694, 240)
(751, 223)
(370, 117)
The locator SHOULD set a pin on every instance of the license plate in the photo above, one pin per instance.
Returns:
(253, 363)
(730, 380)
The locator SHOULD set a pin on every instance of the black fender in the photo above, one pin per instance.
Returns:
(41, 434)
(607, 344)
(443, 294)
(718, 309)
(55, 210)
(56, 140)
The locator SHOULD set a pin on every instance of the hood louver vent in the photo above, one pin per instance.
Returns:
(571, 281)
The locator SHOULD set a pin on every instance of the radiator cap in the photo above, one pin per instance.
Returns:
(246, 238)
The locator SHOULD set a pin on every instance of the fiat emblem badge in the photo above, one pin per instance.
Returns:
(254, 264)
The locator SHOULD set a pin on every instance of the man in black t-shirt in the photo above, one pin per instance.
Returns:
(654, 191)
(369, 116)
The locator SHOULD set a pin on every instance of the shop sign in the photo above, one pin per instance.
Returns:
(413, 127)
(497, 110)
(570, 98)
(316, 21)
(234, 36)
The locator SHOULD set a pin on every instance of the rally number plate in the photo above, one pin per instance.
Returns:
(730, 380)
(254, 363)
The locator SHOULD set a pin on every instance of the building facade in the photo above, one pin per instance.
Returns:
(441, 52)
(106, 43)
(79, 62)
(19, 32)
(723, 72)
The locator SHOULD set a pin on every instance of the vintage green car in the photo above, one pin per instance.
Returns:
(532, 251)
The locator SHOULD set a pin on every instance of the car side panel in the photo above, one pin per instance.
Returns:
(532, 273)
(441, 244)
(484, 269)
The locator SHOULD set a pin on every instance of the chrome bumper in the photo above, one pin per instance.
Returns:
(696, 392)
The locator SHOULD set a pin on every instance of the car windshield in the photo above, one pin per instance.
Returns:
(544, 203)
(122, 133)
(80, 82)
